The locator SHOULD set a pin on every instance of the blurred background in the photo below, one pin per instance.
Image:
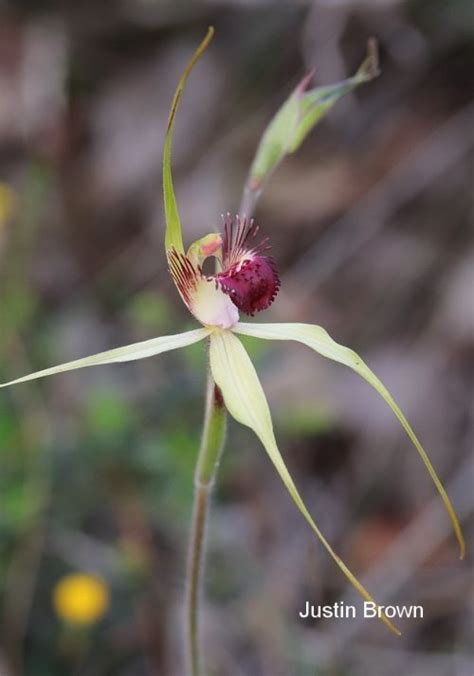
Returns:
(370, 227)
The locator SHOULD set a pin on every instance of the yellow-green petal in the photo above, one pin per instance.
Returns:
(245, 400)
(142, 350)
(319, 340)
(173, 237)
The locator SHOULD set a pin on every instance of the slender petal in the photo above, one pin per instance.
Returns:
(243, 395)
(146, 348)
(173, 236)
(201, 294)
(319, 340)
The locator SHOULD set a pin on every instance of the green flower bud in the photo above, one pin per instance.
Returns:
(299, 114)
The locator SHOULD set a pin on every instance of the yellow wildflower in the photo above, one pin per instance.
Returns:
(246, 281)
(81, 599)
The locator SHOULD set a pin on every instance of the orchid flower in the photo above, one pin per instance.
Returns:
(245, 281)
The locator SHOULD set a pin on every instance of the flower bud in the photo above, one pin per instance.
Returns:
(299, 114)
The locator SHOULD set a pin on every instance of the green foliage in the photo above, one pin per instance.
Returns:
(150, 311)
(304, 420)
(107, 415)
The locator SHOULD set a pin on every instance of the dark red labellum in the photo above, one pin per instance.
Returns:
(252, 284)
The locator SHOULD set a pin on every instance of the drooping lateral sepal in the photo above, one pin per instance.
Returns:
(245, 400)
(319, 340)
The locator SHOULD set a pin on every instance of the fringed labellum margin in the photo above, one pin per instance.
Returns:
(246, 278)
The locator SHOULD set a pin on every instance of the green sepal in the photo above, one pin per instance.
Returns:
(174, 237)
(319, 340)
(245, 400)
(141, 350)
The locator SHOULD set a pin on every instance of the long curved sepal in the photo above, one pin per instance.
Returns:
(245, 400)
(319, 340)
(142, 350)
(173, 236)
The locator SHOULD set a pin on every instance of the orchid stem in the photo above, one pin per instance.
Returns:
(212, 443)
(248, 203)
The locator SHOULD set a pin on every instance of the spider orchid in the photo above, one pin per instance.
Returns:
(245, 281)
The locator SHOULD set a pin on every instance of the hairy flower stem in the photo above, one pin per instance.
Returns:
(212, 443)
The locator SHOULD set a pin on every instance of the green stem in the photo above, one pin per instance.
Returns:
(212, 443)
(250, 197)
